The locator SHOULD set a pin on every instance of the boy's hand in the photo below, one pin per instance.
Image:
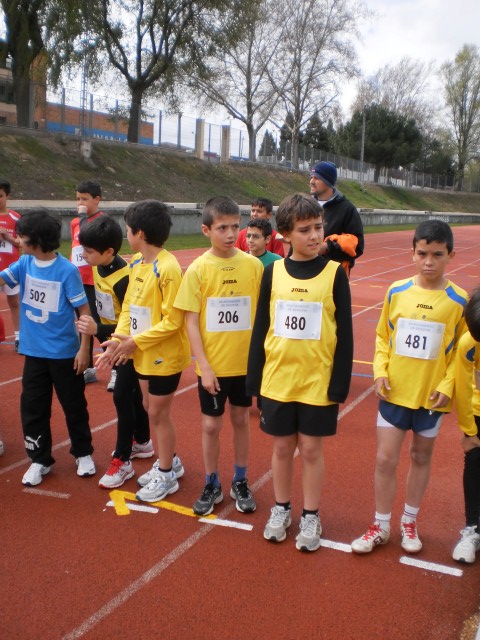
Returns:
(104, 360)
(440, 400)
(87, 325)
(382, 388)
(210, 382)
(82, 360)
(469, 442)
(125, 348)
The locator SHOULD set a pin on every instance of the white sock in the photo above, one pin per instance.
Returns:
(383, 520)
(410, 513)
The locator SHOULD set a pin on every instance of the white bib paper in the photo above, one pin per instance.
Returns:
(105, 305)
(42, 294)
(419, 339)
(228, 314)
(298, 320)
(77, 257)
(140, 319)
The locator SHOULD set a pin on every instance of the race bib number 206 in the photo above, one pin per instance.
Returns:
(229, 314)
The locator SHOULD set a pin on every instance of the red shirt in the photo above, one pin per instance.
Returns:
(8, 252)
(273, 245)
(76, 256)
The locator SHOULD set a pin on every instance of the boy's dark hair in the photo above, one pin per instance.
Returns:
(263, 202)
(88, 186)
(434, 231)
(262, 224)
(472, 314)
(298, 206)
(101, 234)
(41, 228)
(5, 185)
(152, 217)
(219, 206)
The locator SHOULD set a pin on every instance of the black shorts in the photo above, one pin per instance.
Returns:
(161, 385)
(289, 418)
(231, 388)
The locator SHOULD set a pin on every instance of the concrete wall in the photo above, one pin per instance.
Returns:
(187, 217)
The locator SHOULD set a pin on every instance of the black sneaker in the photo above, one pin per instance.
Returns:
(242, 495)
(16, 345)
(210, 497)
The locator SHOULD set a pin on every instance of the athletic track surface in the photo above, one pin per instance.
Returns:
(78, 562)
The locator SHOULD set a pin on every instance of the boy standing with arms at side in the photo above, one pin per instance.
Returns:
(88, 196)
(9, 253)
(259, 232)
(300, 362)
(50, 292)
(219, 295)
(467, 401)
(153, 331)
(414, 371)
(101, 241)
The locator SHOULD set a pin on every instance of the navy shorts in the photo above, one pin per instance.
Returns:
(232, 388)
(289, 418)
(161, 385)
(418, 420)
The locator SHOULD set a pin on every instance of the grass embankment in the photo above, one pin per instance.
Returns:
(45, 167)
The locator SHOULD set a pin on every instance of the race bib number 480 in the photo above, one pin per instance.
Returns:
(229, 314)
(419, 339)
(298, 320)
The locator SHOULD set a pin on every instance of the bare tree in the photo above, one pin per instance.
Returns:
(317, 52)
(237, 75)
(401, 89)
(461, 80)
(147, 41)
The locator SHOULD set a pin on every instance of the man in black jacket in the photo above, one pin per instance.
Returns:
(343, 226)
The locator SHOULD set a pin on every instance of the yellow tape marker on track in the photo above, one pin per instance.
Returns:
(119, 499)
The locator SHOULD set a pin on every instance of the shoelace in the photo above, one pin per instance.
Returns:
(278, 517)
(207, 492)
(373, 532)
(242, 489)
(410, 529)
(115, 465)
(308, 525)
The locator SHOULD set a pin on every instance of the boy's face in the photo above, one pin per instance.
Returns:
(133, 238)
(86, 203)
(306, 238)
(96, 258)
(3, 200)
(223, 234)
(256, 241)
(259, 212)
(431, 260)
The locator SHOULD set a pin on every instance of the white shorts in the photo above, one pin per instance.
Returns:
(8, 291)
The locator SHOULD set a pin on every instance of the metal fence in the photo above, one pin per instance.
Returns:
(73, 112)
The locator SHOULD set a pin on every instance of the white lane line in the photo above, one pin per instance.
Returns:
(431, 566)
(10, 381)
(136, 507)
(337, 546)
(49, 494)
(227, 523)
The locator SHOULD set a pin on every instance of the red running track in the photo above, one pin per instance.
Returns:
(76, 562)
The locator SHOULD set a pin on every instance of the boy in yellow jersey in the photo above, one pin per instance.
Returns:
(219, 295)
(153, 331)
(421, 322)
(300, 362)
(101, 241)
(467, 401)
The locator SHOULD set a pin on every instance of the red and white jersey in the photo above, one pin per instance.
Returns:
(8, 252)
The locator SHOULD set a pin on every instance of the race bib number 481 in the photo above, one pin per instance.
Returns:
(298, 320)
(419, 339)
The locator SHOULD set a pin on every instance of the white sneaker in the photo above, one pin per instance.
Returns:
(117, 473)
(2, 449)
(277, 525)
(467, 546)
(142, 450)
(85, 466)
(159, 487)
(34, 474)
(177, 468)
(90, 375)
(411, 543)
(374, 536)
(308, 538)
(111, 382)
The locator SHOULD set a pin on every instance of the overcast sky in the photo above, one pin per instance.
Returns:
(421, 29)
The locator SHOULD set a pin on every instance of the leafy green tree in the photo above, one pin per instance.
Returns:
(317, 135)
(461, 80)
(391, 140)
(268, 146)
